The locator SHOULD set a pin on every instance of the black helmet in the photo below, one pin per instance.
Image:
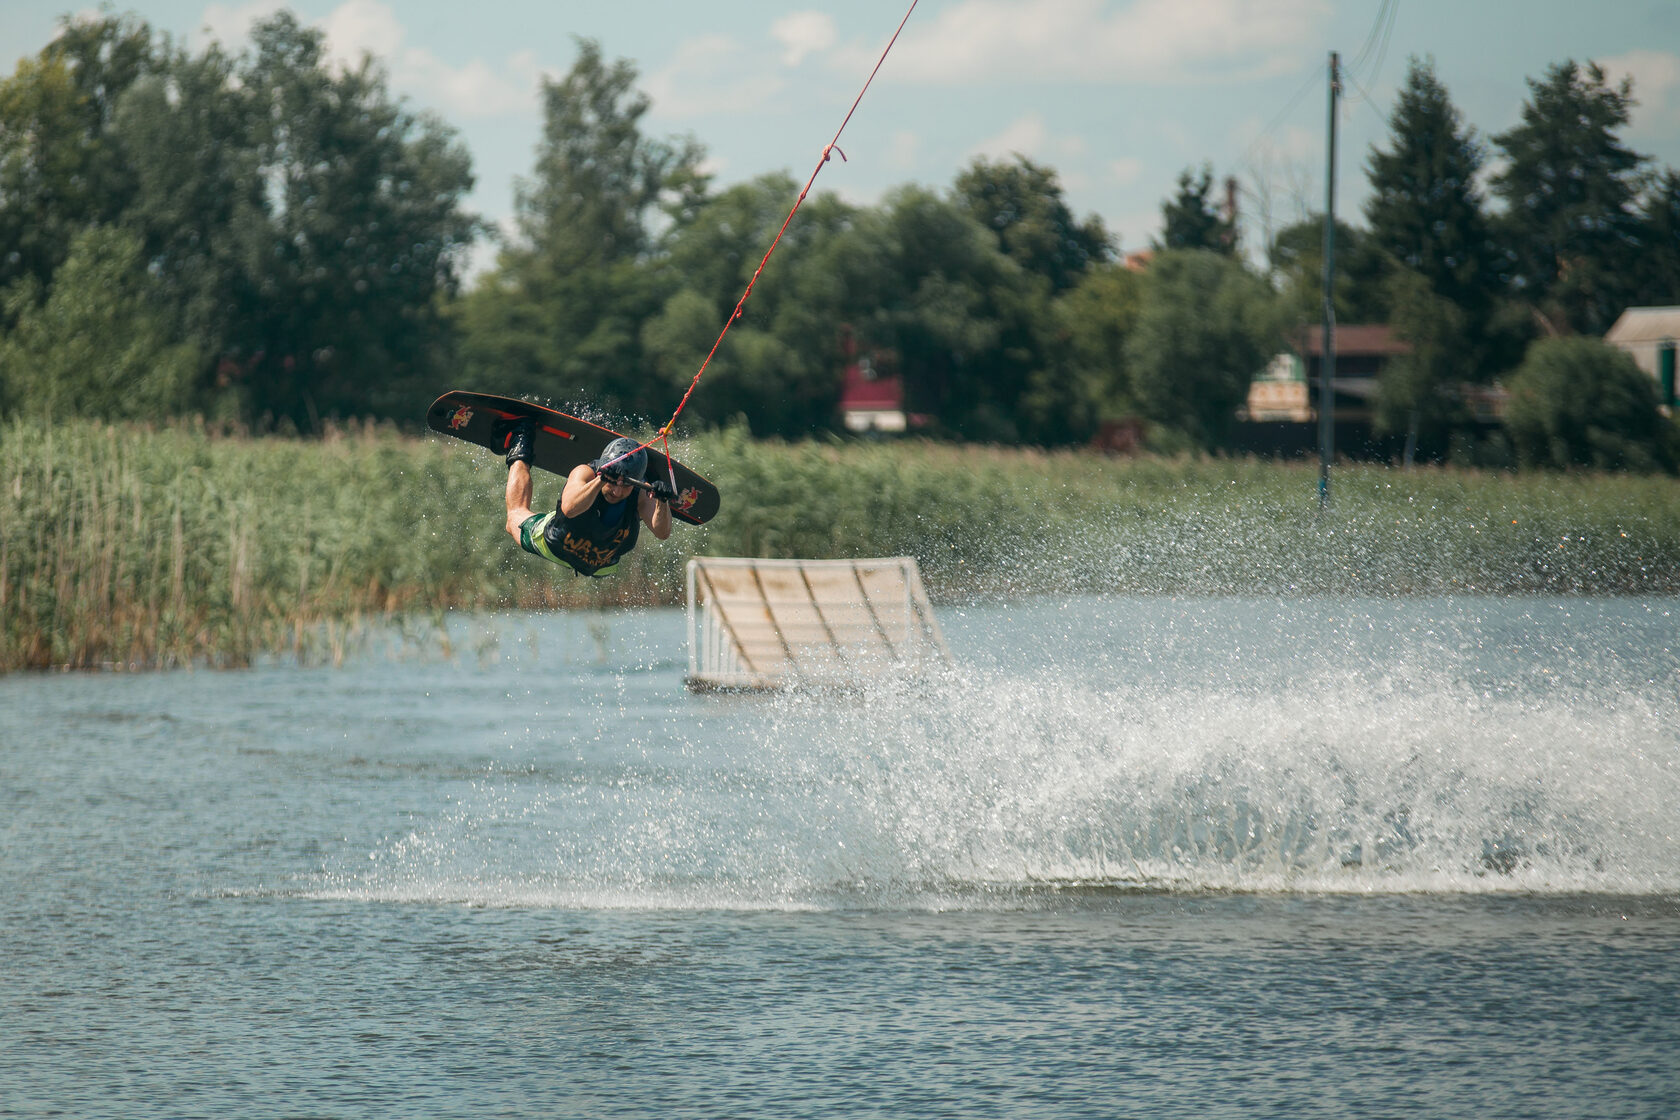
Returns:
(623, 456)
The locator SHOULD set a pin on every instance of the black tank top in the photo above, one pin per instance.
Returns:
(587, 542)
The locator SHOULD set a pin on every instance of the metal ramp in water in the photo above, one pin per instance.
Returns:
(761, 624)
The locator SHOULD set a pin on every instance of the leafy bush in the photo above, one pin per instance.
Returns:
(1577, 402)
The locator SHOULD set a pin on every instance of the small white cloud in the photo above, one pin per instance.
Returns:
(1656, 88)
(1024, 136)
(1100, 41)
(1125, 170)
(903, 150)
(370, 27)
(362, 26)
(711, 74)
(475, 89)
(802, 34)
(1029, 136)
(230, 24)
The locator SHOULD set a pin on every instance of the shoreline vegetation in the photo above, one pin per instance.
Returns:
(129, 546)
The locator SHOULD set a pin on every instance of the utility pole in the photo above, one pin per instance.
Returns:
(1327, 362)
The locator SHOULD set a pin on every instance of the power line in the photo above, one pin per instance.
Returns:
(1375, 50)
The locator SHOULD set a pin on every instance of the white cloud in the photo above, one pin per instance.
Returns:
(1656, 87)
(803, 33)
(903, 150)
(477, 88)
(362, 26)
(1105, 41)
(1029, 136)
(230, 24)
(1125, 170)
(711, 74)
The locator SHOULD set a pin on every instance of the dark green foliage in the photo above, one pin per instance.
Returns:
(101, 344)
(1205, 328)
(1576, 402)
(1570, 187)
(1362, 274)
(1658, 266)
(1425, 209)
(1093, 322)
(363, 231)
(61, 166)
(562, 316)
(958, 313)
(1193, 219)
(1418, 393)
(1022, 203)
(298, 228)
(780, 365)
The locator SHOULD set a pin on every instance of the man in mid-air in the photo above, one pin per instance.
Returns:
(600, 512)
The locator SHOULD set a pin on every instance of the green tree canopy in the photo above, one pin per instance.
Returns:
(1425, 208)
(1577, 402)
(1194, 219)
(1362, 272)
(1659, 251)
(298, 229)
(1205, 328)
(1022, 203)
(562, 315)
(779, 366)
(1569, 187)
(1093, 322)
(933, 288)
(61, 169)
(101, 343)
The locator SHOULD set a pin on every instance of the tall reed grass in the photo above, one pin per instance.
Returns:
(128, 546)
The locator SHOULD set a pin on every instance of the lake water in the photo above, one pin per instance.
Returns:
(1190, 857)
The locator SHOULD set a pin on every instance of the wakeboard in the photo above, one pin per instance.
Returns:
(561, 443)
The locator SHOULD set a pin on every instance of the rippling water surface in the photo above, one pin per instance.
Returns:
(1195, 857)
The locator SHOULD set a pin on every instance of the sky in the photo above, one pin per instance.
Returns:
(1118, 96)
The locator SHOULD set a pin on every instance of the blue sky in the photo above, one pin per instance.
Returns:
(1119, 96)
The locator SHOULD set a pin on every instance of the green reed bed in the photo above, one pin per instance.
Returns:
(129, 546)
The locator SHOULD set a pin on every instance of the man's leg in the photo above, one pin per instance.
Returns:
(518, 497)
(517, 436)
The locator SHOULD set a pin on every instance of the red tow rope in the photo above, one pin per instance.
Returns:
(663, 435)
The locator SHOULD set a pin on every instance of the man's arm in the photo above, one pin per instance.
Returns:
(583, 486)
(656, 513)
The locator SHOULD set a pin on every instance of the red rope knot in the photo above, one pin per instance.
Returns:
(834, 148)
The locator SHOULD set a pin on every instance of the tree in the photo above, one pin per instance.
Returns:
(1362, 273)
(1425, 209)
(563, 314)
(1659, 236)
(101, 344)
(1191, 219)
(61, 169)
(1022, 204)
(1203, 331)
(964, 322)
(1093, 322)
(339, 312)
(779, 365)
(1417, 391)
(297, 227)
(1569, 188)
(1577, 402)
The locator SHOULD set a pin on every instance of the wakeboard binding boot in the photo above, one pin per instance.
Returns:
(517, 435)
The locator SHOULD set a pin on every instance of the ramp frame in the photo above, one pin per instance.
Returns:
(764, 624)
